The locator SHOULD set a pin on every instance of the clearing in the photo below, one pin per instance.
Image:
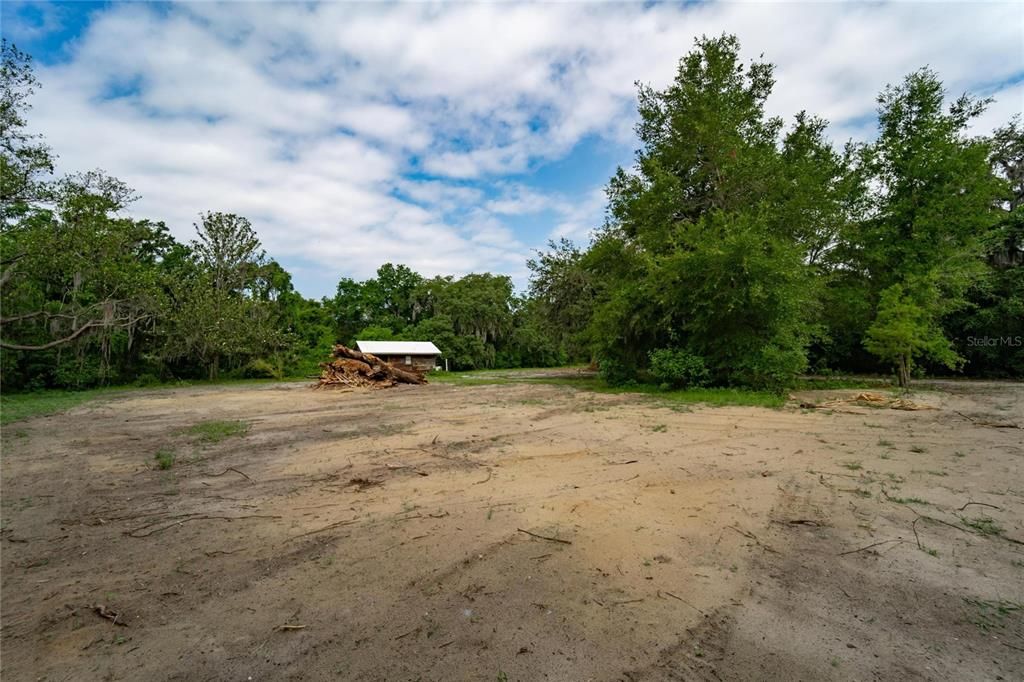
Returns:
(513, 532)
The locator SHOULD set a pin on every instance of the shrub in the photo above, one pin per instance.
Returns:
(678, 368)
(260, 369)
(146, 379)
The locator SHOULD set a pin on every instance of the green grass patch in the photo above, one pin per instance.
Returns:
(817, 383)
(164, 459)
(17, 406)
(909, 500)
(992, 614)
(214, 431)
(984, 525)
(710, 396)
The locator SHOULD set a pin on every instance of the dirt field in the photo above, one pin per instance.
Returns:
(514, 532)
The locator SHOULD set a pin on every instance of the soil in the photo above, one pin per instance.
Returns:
(515, 532)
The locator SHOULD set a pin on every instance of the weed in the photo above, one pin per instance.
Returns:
(852, 466)
(909, 500)
(929, 551)
(959, 454)
(861, 492)
(164, 459)
(885, 455)
(937, 473)
(659, 428)
(992, 614)
(885, 443)
(984, 525)
(835, 662)
(214, 431)
(918, 449)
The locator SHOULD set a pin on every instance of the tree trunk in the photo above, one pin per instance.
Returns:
(379, 367)
(904, 372)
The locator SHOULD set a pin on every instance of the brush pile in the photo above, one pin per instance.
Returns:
(354, 369)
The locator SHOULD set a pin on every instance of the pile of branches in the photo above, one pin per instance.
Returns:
(353, 369)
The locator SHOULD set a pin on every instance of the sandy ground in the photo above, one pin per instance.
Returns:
(514, 532)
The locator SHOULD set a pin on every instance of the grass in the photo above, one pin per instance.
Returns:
(17, 406)
(214, 431)
(992, 614)
(710, 396)
(909, 500)
(164, 459)
(983, 525)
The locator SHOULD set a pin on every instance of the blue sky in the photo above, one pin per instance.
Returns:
(455, 138)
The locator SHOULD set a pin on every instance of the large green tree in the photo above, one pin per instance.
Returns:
(934, 197)
(712, 236)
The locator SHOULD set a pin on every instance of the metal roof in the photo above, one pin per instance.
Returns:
(398, 347)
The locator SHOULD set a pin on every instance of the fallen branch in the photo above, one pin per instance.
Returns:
(980, 504)
(873, 544)
(136, 534)
(544, 537)
(321, 530)
(288, 626)
(240, 473)
(674, 596)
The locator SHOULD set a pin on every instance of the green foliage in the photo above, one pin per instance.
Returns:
(904, 331)
(711, 237)
(164, 459)
(678, 368)
(261, 369)
(17, 406)
(738, 251)
(214, 431)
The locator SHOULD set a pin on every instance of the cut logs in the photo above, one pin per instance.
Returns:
(353, 369)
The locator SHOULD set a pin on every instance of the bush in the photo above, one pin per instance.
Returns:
(615, 371)
(146, 379)
(678, 368)
(260, 369)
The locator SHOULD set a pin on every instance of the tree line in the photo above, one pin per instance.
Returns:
(737, 250)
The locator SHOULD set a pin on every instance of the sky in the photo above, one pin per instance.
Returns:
(452, 137)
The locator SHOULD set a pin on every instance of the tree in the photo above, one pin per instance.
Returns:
(904, 331)
(225, 310)
(25, 160)
(562, 292)
(229, 248)
(709, 240)
(935, 197)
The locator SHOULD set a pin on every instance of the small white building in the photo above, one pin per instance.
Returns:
(420, 355)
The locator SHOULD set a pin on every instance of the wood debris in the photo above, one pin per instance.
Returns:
(354, 369)
(870, 400)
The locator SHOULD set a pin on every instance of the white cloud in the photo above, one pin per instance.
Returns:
(318, 121)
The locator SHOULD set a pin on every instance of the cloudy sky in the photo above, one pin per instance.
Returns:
(451, 137)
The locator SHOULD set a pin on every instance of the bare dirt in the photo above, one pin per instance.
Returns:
(514, 532)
